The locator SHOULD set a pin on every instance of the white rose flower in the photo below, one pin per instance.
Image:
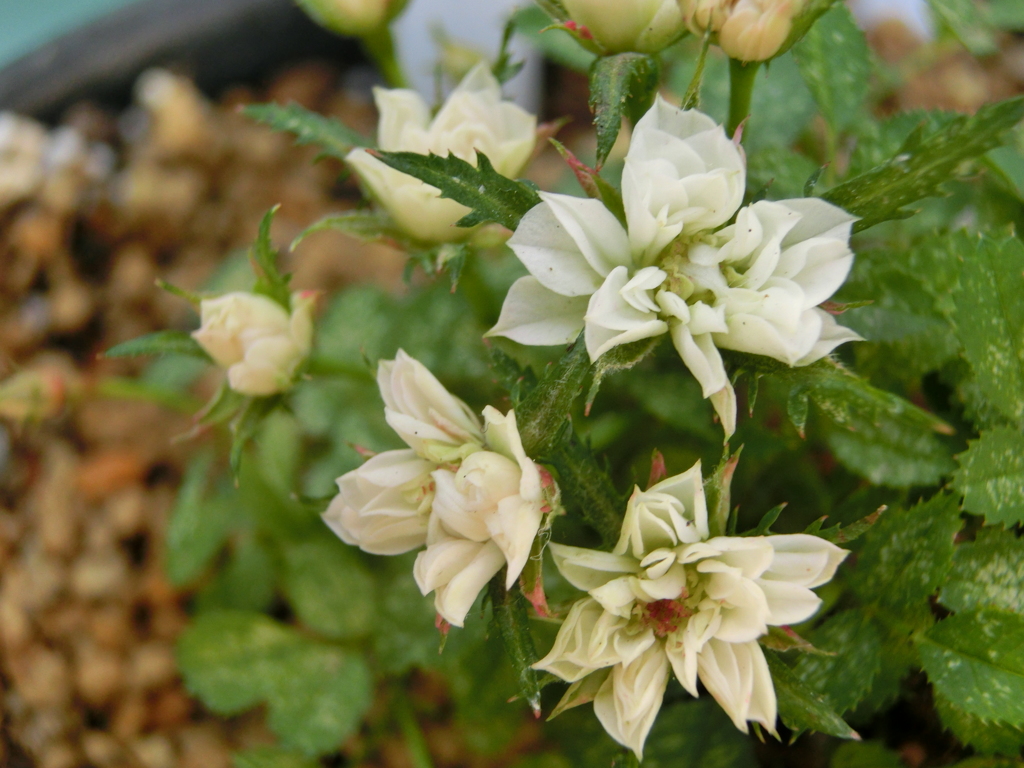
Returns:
(748, 30)
(671, 596)
(352, 17)
(646, 26)
(495, 497)
(431, 421)
(752, 286)
(473, 118)
(256, 339)
(383, 506)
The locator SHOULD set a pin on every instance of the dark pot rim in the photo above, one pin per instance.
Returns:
(218, 42)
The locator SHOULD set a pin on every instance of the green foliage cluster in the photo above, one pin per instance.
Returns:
(913, 438)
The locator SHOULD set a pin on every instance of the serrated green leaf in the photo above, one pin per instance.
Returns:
(839, 91)
(197, 529)
(330, 590)
(907, 554)
(368, 226)
(333, 137)
(160, 343)
(991, 476)
(489, 195)
(263, 257)
(802, 709)
(883, 437)
(587, 490)
(696, 733)
(987, 573)
(967, 20)
(404, 635)
(845, 677)
(988, 738)
(977, 660)
(316, 693)
(513, 623)
(924, 164)
(272, 757)
(621, 86)
(990, 321)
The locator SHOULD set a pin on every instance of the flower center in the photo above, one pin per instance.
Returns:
(664, 616)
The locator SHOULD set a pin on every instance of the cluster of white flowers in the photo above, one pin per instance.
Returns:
(753, 286)
(260, 343)
(469, 493)
(473, 118)
(747, 30)
(673, 597)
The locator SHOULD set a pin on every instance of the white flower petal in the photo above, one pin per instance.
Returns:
(595, 230)
(536, 316)
(628, 702)
(589, 569)
(551, 254)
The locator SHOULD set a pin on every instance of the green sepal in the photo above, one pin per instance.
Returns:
(263, 258)
(160, 343)
(513, 622)
(367, 226)
(543, 413)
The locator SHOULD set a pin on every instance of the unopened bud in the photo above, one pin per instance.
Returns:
(645, 26)
(33, 395)
(352, 17)
(747, 30)
(260, 343)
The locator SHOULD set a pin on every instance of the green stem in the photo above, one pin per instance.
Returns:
(741, 88)
(381, 48)
(419, 754)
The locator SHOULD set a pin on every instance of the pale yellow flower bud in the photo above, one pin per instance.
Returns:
(646, 26)
(352, 17)
(747, 30)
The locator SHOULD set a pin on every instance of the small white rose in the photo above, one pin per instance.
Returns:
(256, 339)
(382, 506)
(431, 421)
(473, 118)
(667, 514)
(748, 30)
(646, 26)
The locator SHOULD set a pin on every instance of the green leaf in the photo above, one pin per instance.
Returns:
(160, 343)
(1007, 14)
(924, 164)
(330, 590)
(839, 91)
(491, 196)
(543, 413)
(587, 490)
(907, 554)
(696, 733)
(247, 424)
(800, 708)
(246, 583)
(883, 437)
(368, 226)
(809, 13)
(991, 476)
(513, 623)
(272, 757)
(868, 754)
(197, 529)
(987, 573)
(843, 679)
(620, 358)
(620, 86)
(404, 631)
(316, 693)
(263, 257)
(988, 738)
(333, 137)
(966, 19)
(977, 660)
(990, 762)
(990, 321)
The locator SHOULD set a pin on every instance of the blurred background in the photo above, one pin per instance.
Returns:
(123, 159)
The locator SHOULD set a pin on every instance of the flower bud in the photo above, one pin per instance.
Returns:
(645, 26)
(473, 118)
(352, 17)
(748, 30)
(256, 339)
(33, 394)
